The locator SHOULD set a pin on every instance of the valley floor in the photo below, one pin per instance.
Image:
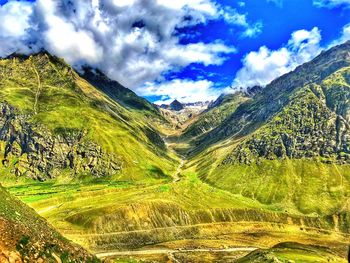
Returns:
(183, 216)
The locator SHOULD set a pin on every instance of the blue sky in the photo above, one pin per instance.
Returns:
(186, 49)
(278, 20)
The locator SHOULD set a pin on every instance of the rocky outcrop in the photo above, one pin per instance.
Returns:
(33, 151)
(306, 128)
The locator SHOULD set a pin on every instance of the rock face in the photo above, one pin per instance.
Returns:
(31, 150)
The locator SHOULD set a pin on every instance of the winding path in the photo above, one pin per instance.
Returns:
(170, 251)
(37, 93)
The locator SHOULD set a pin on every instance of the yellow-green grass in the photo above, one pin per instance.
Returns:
(305, 186)
(123, 215)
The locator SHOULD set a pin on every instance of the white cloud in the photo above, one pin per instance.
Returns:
(263, 66)
(14, 26)
(203, 6)
(253, 30)
(279, 3)
(184, 91)
(132, 41)
(331, 3)
(233, 17)
(66, 40)
(345, 36)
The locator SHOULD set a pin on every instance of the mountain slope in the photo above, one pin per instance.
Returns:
(251, 115)
(26, 237)
(210, 119)
(284, 178)
(54, 122)
(290, 145)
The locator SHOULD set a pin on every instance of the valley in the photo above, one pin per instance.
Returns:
(130, 183)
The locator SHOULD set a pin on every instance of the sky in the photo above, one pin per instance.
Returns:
(189, 50)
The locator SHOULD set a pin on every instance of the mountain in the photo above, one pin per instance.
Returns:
(180, 115)
(55, 122)
(176, 106)
(26, 237)
(290, 144)
(278, 94)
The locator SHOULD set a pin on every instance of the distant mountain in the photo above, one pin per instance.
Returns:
(176, 106)
(26, 237)
(202, 104)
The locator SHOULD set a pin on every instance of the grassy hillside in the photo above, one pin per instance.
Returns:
(185, 214)
(60, 117)
(117, 92)
(299, 144)
(26, 237)
(299, 159)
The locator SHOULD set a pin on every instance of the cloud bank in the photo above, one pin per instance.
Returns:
(331, 3)
(262, 66)
(201, 90)
(132, 41)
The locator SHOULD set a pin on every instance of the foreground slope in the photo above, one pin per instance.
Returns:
(54, 122)
(26, 237)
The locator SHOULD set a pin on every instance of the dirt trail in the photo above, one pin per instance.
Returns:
(176, 177)
(37, 93)
(171, 251)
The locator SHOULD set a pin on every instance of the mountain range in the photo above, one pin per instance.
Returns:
(266, 167)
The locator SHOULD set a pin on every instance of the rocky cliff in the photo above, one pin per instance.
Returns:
(305, 128)
(31, 150)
